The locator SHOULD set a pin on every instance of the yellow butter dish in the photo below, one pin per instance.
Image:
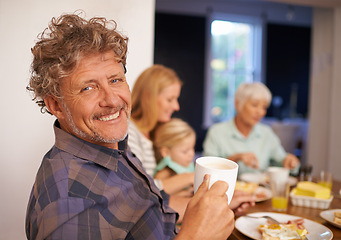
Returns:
(312, 195)
(310, 202)
(311, 189)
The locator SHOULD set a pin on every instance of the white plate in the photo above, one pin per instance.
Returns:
(266, 191)
(249, 226)
(328, 215)
(261, 178)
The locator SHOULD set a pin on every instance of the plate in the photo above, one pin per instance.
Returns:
(261, 178)
(267, 194)
(260, 193)
(328, 215)
(249, 226)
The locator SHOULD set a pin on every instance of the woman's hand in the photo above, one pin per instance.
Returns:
(249, 159)
(290, 161)
(241, 201)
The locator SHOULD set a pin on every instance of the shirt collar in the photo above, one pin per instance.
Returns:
(255, 132)
(100, 155)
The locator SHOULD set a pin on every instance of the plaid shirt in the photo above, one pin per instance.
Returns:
(86, 191)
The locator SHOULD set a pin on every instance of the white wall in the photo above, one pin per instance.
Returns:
(325, 83)
(334, 163)
(26, 133)
(320, 87)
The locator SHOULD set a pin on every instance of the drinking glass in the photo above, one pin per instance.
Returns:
(280, 195)
(326, 179)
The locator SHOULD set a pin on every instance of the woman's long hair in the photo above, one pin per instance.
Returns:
(145, 93)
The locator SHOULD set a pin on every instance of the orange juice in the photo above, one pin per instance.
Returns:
(279, 203)
(325, 184)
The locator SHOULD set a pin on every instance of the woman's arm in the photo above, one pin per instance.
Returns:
(164, 174)
(177, 182)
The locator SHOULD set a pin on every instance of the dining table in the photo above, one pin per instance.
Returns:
(299, 211)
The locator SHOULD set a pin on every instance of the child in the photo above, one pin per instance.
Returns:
(174, 143)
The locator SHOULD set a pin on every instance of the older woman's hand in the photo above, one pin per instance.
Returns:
(249, 159)
(290, 161)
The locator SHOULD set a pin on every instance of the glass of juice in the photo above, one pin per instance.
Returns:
(280, 195)
(326, 179)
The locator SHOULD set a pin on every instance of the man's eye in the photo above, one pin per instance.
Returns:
(86, 89)
(114, 80)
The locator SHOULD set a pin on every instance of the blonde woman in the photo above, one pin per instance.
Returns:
(154, 99)
(244, 139)
(174, 143)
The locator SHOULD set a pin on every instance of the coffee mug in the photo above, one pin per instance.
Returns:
(219, 169)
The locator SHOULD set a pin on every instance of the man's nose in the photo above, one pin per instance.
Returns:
(109, 97)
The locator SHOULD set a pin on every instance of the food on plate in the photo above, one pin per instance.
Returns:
(246, 187)
(337, 214)
(252, 188)
(311, 189)
(337, 217)
(293, 230)
(260, 195)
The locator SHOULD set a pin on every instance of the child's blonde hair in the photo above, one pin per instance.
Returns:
(170, 134)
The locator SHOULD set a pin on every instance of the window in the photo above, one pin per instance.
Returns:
(235, 56)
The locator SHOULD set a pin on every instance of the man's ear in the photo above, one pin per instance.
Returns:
(54, 106)
(164, 151)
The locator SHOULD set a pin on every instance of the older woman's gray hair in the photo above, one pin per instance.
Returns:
(253, 91)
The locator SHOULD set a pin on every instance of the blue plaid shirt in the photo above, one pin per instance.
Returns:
(86, 191)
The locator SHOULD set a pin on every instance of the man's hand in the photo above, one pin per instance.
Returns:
(208, 215)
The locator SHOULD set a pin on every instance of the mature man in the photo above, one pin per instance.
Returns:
(89, 185)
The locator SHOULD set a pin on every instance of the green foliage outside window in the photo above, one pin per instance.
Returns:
(231, 65)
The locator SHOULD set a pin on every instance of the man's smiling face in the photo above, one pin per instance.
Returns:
(96, 101)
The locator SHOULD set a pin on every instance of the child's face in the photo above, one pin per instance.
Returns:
(183, 153)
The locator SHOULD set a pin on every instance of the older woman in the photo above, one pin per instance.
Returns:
(244, 139)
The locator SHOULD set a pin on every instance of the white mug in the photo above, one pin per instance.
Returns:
(219, 169)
